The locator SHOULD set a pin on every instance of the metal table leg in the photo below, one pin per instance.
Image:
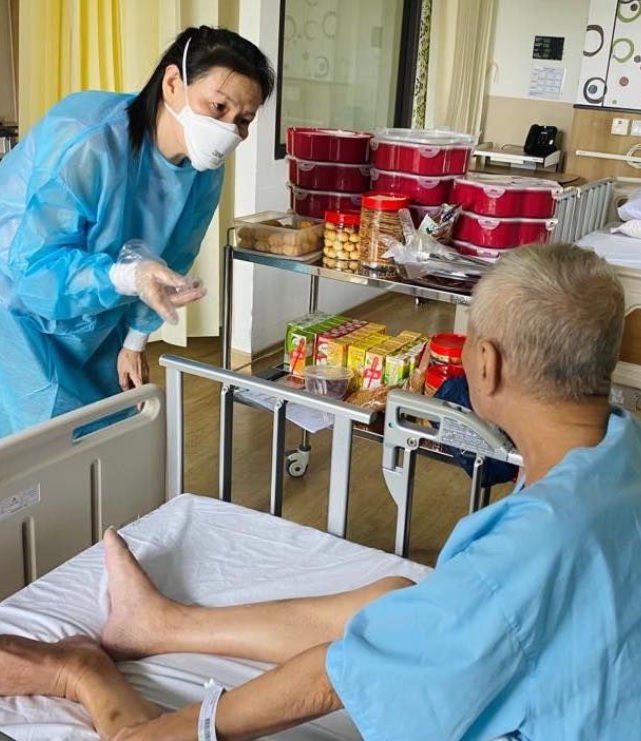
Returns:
(339, 476)
(225, 444)
(228, 296)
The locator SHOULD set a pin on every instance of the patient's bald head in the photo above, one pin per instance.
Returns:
(555, 313)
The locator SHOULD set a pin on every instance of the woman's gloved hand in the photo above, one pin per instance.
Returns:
(133, 370)
(139, 273)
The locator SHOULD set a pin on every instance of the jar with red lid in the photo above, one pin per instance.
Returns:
(342, 240)
(438, 373)
(379, 218)
(447, 348)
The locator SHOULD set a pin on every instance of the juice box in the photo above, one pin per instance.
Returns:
(396, 369)
(337, 350)
(300, 349)
(322, 342)
(374, 367)
(376, 328)
(356, 355)
(406, 334)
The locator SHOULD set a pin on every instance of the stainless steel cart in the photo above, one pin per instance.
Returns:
(406, 434)
(298, 460)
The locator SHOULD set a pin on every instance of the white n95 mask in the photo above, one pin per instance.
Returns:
(208, 141)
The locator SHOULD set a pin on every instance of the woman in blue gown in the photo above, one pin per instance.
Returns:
(103, 207)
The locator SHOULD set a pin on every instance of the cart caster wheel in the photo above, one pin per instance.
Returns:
(297, 462)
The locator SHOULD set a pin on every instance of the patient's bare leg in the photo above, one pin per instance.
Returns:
(76, 669)
(143, 622)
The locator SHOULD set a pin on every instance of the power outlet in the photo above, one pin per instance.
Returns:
(620, 126)
(635, 129)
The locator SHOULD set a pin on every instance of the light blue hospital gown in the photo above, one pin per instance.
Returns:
(71, 194)
(530, 623)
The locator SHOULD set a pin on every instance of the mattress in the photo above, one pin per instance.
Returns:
(196, 550)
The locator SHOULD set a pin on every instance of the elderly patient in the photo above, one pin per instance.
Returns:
(530, 623)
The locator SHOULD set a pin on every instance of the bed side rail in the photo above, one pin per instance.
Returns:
(582, 210)
(345, 416)
(58, 490)
(411, 419)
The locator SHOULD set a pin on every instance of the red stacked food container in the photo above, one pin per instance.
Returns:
(328, 169)
(502, 212)
(421, 163)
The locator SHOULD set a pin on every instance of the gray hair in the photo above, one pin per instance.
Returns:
(556, 313)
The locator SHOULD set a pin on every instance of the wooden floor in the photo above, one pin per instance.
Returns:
(441, 491)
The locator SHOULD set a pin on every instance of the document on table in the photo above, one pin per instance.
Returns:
(306, 418)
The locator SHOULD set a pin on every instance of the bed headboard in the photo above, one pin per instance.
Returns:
(58, 491)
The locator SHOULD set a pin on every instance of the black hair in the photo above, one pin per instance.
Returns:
(209, 47)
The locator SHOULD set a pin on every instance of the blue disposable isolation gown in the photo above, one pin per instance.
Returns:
(71, 194)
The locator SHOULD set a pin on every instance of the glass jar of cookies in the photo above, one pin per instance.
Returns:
(342, 240)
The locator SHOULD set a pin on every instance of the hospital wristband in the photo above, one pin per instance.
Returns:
(135, 340)
(207, 714)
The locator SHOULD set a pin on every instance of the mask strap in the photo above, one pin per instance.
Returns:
(184, 65)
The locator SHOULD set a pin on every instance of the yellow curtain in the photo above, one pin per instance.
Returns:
(461, 38)
(65, 46)
(71, 45)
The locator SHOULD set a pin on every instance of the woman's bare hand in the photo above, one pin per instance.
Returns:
(133, 370)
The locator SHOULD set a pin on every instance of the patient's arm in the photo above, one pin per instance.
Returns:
(76, 669)
(297, 691)
(144, 622)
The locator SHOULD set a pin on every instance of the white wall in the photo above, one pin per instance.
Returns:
(517, 23)
(265, 298)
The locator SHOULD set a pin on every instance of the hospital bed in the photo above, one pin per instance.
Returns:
(58, 491)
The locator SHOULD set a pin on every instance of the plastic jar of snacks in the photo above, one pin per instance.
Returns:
(379, 218)
(446, 349)
(437, 374)
(342, 239)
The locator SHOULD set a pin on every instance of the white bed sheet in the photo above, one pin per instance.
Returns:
(617, 249)
(199, 550)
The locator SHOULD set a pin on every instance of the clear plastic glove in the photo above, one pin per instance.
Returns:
(138, 272)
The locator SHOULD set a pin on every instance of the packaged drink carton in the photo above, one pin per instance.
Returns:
(322, 342)
(406, 334)
(374, 367)
(376, 328)
(396, 369)
(337, 351)
(356, 356)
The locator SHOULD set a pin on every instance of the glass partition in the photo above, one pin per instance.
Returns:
(344, 64)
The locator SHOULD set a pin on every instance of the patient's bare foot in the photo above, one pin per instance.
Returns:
(29, 667)
(140, 617)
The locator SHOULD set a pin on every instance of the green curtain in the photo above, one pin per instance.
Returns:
(422, 66)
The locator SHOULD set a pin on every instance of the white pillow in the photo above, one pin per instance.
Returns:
(631, 209)
(632, 228)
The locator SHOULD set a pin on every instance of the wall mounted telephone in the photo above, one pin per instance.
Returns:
(541, 140)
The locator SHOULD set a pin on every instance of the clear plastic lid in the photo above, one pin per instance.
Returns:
(425, 137)
(508, 182)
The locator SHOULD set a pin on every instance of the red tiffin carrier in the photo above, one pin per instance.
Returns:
(328, 176)
(314, 203)
(421, 151)
(328, 145)
(506, 196)
(422, 190)
(488, 231)
(485, 253)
